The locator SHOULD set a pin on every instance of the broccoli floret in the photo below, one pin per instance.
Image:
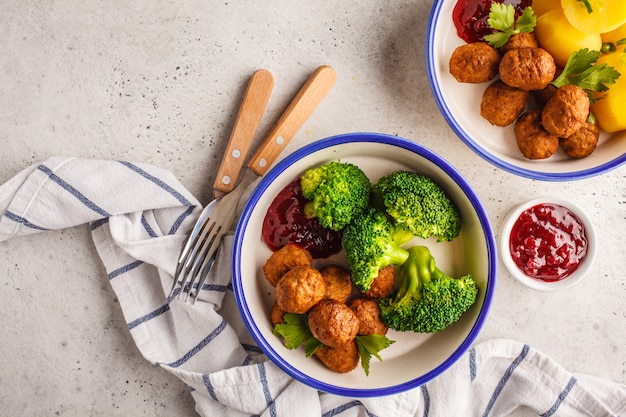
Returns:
(337, 192)
(369, 245)
(428, 300)
(417, 203)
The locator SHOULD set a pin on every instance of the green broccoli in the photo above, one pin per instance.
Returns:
(415, 202)
(337, 191)
(370, 244)
(428, 300)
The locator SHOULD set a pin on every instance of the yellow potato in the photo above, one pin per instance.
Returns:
(610, 111)
(606, 15)
(542, 6)
(614, 35)
(557, 36)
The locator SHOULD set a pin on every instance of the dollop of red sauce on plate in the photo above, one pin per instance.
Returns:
(548, 242)
(285, 222)
(470, 17)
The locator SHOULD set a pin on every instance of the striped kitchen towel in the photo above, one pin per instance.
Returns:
(139, 216)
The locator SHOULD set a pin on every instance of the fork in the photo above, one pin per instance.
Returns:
(198, 254)
(250, 113)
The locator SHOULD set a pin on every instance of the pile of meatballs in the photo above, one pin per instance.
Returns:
(337, 312)
(544, 117)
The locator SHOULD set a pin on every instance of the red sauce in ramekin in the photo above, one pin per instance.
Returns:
(548, 242)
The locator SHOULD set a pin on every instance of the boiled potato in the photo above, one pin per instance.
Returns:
(614, 35)
(610, 111)
(606, 15)
(542, 6)
(557, 36)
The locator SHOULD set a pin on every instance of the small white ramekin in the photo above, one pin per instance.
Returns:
(535, 283)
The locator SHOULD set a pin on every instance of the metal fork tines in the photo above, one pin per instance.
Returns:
(194, 267)
(199, 251)
(202, 246)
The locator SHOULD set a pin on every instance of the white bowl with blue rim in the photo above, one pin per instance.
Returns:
(414, 358)
(460, 103)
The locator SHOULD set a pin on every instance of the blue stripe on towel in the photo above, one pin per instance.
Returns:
(124, 269)
(209, 386)
(269, 401)
(216, 332)
(155, 313)
(214, 287)
(94, 225)
(252, 348)
(560, 398)
(180, 220)
(23, 221)
(426, 396)
(73, 191)
(472, 364)
(157, 181)
(507, 374)
(147, 227)
(344, 407)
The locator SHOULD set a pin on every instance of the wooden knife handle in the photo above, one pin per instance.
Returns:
(299, 110)
(250, 113)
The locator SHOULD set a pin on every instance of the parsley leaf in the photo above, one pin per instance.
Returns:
(587, 5)
(502, 20)
(371, 345)
(295, 331)
(581, 71)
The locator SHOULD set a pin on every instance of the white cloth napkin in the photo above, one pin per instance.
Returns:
(139, 214)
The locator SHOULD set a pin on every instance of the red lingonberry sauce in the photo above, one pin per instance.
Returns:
(470, 17)
(548, 242)
(285, 222)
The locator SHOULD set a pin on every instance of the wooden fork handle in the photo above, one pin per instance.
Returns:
(250, 113)
(298, 111)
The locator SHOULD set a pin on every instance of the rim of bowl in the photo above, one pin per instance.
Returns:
(473, 145)
(548, 286)
(392, 141)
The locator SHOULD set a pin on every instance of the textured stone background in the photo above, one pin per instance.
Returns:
(160, 82)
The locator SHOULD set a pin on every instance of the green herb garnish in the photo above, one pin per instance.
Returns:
(370, 346)
(502, 21)
(608, 47)
(581, 71)
(587, 5)
(295, 332)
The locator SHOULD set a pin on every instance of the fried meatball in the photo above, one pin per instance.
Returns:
(527, 68)
(501, 104)
(382, 286)
(582, 143)
(520, 40)
(300, 289)
(566, 111)
(542, 96)
(533, 140)
(342, 359)
(283, 260)
(368, 313)
(333, 323)
(474, 62)
(277, 314)
(338, 283)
